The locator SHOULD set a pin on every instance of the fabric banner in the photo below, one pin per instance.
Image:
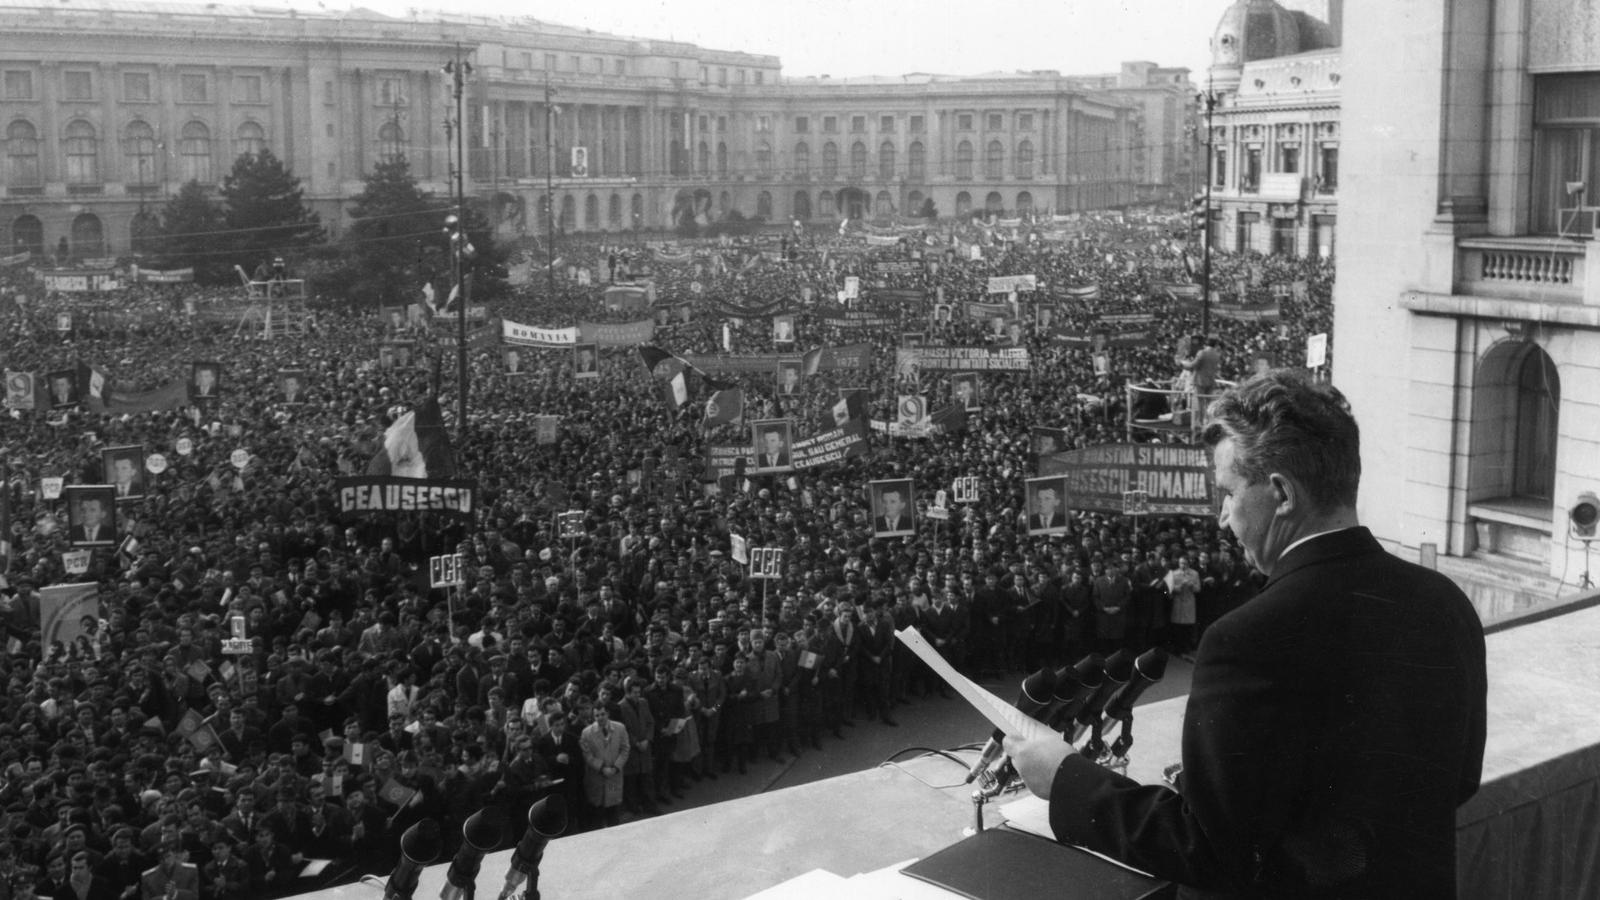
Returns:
(1080, 292)
(892, 267)
(833, 445)
(382, 493)
(533, 336)
(172, 395)
(900, 295)
(170, 276)
(1127, 319)
(1178, 480)
(847, 357)
(860, 320)
(62, 608)
(731, 310)
(617, 334)
(880, 240)
(15, 259)
(1005, 284)
(983, 312)
(628, 296)
(962, 359)
(80, 281)
(1268, 312)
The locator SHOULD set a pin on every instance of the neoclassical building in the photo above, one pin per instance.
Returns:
(109, 106)
(1274, 128)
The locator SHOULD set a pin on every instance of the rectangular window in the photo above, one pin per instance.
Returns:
(802, 125)
(192, 88)
(1289, 159)
(858, 124)
(705, 124)
(997, 121)
(1283, 237)
(599, 65)
(964, 121)
(918, 125)
(722, 75)
(136, 87)
(1245, 232)
(77, 84)
(743, 75)
(549, 62)
(525, 59)
(1328, 169)
(18, 85)
(705, 73)
(886, 124)
(761, 77)
(391, 91)
(1566, 152)
(722, 124)
(1024, 121)
(247, 88)
(763, 124)
(830, 124)
(620, 67)
(1250, 174)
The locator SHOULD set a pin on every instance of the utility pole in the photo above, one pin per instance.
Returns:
(549, 184)
(455, 225)
(1208, 99)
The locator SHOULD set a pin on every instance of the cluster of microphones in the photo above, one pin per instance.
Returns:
(482, 832)
(1083, 702)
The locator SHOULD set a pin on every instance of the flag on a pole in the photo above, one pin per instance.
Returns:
(725, 406)
(416, 446)
(811, 362)
(129, 548)
(91, 381)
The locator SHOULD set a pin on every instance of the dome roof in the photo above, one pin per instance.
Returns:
(1252, 30)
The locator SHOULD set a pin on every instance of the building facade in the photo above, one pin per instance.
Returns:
(1273, 133)
(1467, 308)
(110, 107)
(1164, 149)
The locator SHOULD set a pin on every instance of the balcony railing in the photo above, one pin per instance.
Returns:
(1526, 268)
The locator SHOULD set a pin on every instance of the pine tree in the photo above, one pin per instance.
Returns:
(191, 230)
(264, 210)
(397, 241)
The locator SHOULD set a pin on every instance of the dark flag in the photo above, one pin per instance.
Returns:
(811, 362)
(948, 420)
(416, 446)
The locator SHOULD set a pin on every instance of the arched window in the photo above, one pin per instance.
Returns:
(764, 159)
(251, 139)
(88, 236)
(194, 153)
(994, 160)
(22, 155)
(591, 213)
(764, 206)
(569, 212)
(27, 235)
(883, 205)
(830, 161)
(963, 203)
(916, 162)
(1538, 401)
(964, 159)
(722, 160)
(993, 203)
(802, 205)
(914, 203)
(1025, 159)
(636, 209)
(858, 160)
(139, 154)
(391, 141)
(1516, 406)
(703, 158)
(886, 160)
(1024, 203)
(802, 159)
(83, 153)
(614, 211)
(825, 205)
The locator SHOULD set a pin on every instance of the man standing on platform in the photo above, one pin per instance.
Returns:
(1336, 720)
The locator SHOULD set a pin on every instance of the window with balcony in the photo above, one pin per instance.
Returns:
(1250, 174)
(22, 155)
(1025, 159)
(82, 154)
(1566, 152)
(994, 160)
(858, 160)
(886, 160)
(77, 84)
(139, 154)
(194, 153)
(802, 159)
(722, 159)
(702, 162)
(391, 90)
(764, 159)
(136, 87)
(251, 139)
(964, 160)
(830, 161)
(1219, 168)
(1327, 169)
(193, 87)
(722, 76)
(1289, 158)
(18, 84)
(916, 161)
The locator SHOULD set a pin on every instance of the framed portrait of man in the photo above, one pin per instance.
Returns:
(967, 390)
(205, 381)
(771, 445)
(124, 471)
(292, 385)
(788, 376)
(912, 338)
(941, 313)
(1046, 441)
(585, 361)
(512, 357)
(783, 329)
(91, 515)
(63, 384)
(893, 509)
(1047, 504)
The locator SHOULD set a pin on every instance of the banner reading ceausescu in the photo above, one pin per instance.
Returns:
(1178, 479)
(382, 493)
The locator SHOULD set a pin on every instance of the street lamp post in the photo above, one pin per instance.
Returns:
(455, 225)
(549, 186)
(1207, 99)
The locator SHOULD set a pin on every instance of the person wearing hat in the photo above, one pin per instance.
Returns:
(172, 878)
(226, 874)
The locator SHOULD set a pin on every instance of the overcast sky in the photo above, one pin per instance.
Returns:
(891, 37)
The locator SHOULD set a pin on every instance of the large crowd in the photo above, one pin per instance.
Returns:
(617, 667)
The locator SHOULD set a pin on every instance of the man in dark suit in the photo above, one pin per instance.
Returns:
(92, 527)
(893, 517)
(1336, 720)
(1047, 512)
(774, 452)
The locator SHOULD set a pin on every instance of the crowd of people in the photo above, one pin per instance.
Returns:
(617, 665)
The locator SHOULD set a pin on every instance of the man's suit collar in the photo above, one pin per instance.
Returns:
(1353, 541)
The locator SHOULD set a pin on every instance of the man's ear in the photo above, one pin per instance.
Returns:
(1287, 493)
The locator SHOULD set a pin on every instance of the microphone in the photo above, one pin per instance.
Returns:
(547, 819)
(1068, 688)
(419, 846)
(479, 834)
(1091, 672)
(1034, 697)
(1149, 668)
(1119, 668)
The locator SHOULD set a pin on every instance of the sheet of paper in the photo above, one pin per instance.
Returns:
(314, 867)
(1005, 716)
(812, 884)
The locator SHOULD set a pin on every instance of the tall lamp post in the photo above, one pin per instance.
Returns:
(1208, 99)
(455, 225)
(549, 184)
